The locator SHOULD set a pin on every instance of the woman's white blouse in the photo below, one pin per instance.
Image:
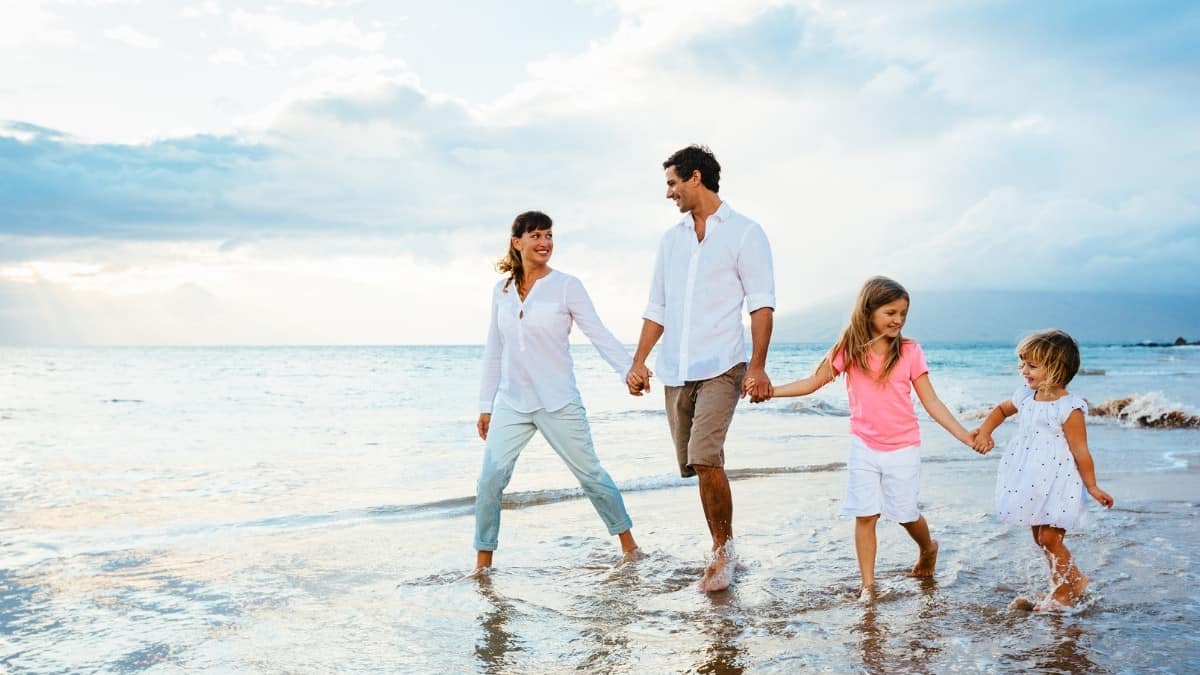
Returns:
(527, 360)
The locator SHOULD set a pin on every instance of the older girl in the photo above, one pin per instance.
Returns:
(882, 370)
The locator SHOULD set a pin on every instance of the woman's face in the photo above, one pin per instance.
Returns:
(535, 247)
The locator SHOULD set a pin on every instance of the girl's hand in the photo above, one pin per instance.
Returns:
(485, 421)
(1101, 496)
(983, 443)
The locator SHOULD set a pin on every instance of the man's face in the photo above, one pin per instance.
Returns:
(683, 192)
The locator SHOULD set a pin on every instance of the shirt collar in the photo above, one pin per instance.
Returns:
(722, 214)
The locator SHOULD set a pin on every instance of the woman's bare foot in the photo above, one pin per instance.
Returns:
(632, 555)
(926, 561)
(867, 595)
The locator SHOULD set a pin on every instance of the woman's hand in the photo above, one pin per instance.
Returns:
(485, 421)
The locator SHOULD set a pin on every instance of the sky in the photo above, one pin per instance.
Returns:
(346, 171)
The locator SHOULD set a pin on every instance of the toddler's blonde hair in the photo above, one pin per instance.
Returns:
(1055, 351)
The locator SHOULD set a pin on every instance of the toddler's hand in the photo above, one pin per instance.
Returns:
(983, 443)
(1101, 496)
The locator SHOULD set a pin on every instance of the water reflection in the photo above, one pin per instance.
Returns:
(723, 656)
(495, 645)
(1064, 652)
(916, 647)
(872, 640)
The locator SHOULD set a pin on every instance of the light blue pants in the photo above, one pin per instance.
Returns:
(567, 431)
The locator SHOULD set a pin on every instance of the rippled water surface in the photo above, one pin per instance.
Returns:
(309, 510)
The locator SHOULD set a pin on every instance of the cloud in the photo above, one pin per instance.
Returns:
(283, 34)
(227, 55)
(51, 184)
(128, 35)
(948, 146)
(206, 8)
(28, 23)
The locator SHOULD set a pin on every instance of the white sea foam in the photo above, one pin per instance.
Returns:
(1150, 410)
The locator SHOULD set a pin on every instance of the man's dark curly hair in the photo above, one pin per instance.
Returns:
(696, 158)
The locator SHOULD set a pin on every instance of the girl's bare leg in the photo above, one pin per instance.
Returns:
(927, 555)
(864, 548)
(1068, 583)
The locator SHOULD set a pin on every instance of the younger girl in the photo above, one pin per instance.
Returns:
(1046, 466)
(884, 469)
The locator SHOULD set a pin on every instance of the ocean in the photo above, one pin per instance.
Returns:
(309, 509)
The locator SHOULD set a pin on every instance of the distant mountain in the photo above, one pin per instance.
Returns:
(1004, 316)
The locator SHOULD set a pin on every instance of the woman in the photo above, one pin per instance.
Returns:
(529, 382)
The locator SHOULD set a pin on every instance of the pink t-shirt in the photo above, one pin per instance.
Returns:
(882, 414)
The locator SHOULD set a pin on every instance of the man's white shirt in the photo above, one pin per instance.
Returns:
(698, 291)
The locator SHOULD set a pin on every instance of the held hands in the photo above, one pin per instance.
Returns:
(1101, 496)
(485, 421)
(638, 379)
(983, 443)
(758, 385)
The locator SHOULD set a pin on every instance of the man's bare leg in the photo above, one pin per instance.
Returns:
(483, 561)
(928, 547)
(717, 502)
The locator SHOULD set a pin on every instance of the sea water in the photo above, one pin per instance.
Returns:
(310, 510)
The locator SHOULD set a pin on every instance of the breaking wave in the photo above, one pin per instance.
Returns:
(807, 406)
(1146, 411)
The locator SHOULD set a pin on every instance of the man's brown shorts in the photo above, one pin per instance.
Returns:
(699, 413)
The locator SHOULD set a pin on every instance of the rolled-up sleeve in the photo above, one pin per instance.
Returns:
(756, 270)
(492, 353)
(656, 307)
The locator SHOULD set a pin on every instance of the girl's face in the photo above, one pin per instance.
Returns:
(535, 247)
(887, 320)
(1034, 374)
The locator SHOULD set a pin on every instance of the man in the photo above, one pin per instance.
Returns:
(708, 264)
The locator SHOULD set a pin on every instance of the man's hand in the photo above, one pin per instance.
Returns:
(638, 379)
(485, 421)
(757, 384)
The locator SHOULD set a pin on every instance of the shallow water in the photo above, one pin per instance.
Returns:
(309, 510)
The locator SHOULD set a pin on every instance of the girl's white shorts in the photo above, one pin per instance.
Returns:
(883, 482)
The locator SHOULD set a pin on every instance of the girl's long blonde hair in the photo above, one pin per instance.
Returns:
(855, 343)
(510, 264)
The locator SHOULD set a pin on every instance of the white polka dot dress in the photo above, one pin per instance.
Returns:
(1038, 482)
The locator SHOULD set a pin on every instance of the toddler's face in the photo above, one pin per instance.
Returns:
(1034, 374)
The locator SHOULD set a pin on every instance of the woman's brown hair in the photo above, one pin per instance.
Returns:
(510, 264)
